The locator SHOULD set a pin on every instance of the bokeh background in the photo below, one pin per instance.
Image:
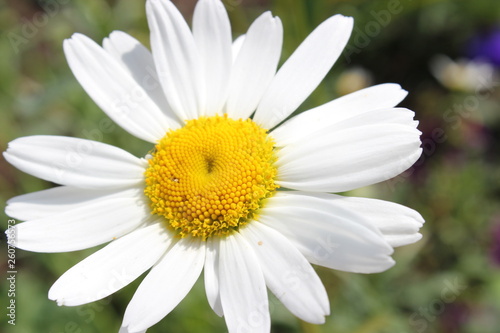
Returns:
(447, 282)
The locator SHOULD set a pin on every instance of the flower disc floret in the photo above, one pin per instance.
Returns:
(211, 176)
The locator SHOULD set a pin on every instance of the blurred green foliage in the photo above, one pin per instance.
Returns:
(447, 282)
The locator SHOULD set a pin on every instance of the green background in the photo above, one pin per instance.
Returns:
(447, 282)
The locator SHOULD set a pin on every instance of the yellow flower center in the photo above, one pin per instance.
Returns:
(211, 176)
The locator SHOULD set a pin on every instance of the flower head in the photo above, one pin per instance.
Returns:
(210, 177)
(230, 187)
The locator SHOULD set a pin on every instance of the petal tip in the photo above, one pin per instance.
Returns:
(59, 301)
(6, 154)
(391, 262)
(339, 18)
(11, 236)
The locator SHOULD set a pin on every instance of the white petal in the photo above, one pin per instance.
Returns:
(89, 225)
(383, 96)
(112, 267)
(138, 62)
(212, 34)
(288, 274)
(166, 285)
(326, 233)
(212, 275)
(75, 162)
(242, 287)
(114, 89)
(177, 59)
(304, 70)
(353, 153)
(55, 200)
(236, 48)
(255, 66)
(398, 224)
(382, 117)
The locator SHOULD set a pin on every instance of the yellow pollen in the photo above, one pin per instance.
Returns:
(211, 176)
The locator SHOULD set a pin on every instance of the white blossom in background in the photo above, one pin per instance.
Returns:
(463, 75)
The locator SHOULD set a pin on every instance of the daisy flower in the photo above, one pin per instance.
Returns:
(230, 187)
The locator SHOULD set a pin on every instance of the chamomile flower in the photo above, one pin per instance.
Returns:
(230, 187)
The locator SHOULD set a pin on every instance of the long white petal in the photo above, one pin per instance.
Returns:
(212, 34)
(75, 162)
(177, 59)
(166, 285)
(53, 201)
(211, 270)
(381, 117)
(242, 287)
(138, 61)
(89, 225)
(383, 96)
(112, 267)
(356, 152)
(115, 90)
(304, 70)
(288, 274)
(326, 233)
(255, 65)
(398, 224)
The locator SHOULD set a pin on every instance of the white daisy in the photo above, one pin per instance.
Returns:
(205, 198)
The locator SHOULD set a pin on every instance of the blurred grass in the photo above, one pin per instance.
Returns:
(455, 186)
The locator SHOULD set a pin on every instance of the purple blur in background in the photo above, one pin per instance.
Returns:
(486, 47)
